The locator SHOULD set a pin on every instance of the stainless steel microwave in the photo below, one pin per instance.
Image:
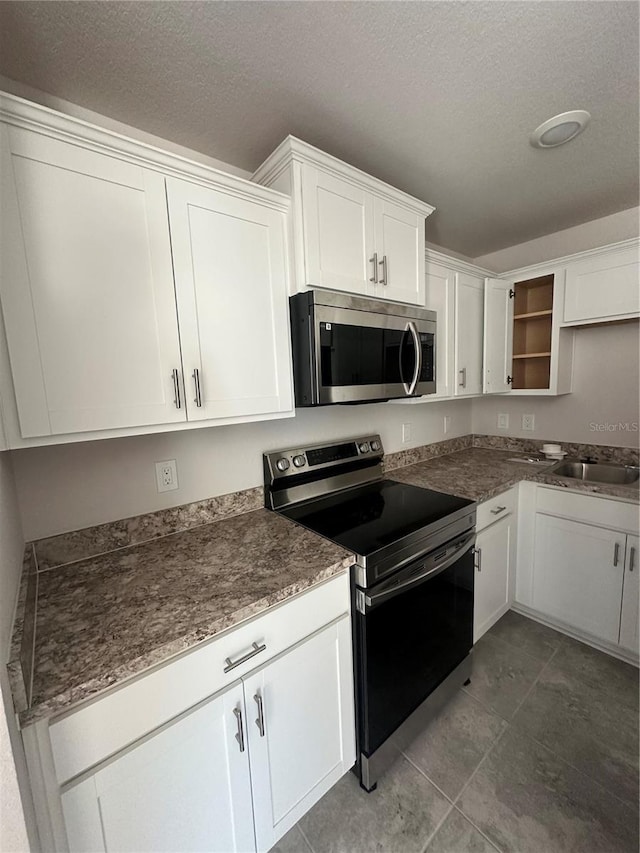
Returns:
(350, 349)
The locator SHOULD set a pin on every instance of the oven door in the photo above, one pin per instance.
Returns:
(410, 632)
(362, 355)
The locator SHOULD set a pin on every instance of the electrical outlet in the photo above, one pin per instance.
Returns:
(406, 433)
(447, 423)
(503, 421)
(529, 422)
(166, 475)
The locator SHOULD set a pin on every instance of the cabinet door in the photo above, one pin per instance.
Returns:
(231, 289)
(469, 314)
(185, 788)
(495, 562)
(301, 729)
(440, 297)
(630, 595)
(603, 287)
(399, 242)
(87, 288)
(498, 335)
(577, 575)
(338, 233)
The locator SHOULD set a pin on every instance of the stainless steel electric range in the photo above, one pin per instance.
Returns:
(412, 585)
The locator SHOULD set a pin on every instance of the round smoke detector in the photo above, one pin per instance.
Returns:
(560, 129)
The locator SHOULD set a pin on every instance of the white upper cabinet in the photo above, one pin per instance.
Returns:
(87, 288)
(229, 259)
(338, 233)
(440, 297)
(468, 322)
(603, 287)
(498, 336)
(140, 291)
(351, 232)
(399, 242)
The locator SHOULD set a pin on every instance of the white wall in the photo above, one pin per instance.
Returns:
(599, 232)
(75, 485)
(605, 391)
(13, 834)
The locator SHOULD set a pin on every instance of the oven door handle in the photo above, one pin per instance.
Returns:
(371, 601)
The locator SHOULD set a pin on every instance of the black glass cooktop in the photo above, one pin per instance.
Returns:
(370, 517)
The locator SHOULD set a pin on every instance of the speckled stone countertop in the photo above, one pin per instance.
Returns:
(104, 619)
(481, 473)
(100, 605)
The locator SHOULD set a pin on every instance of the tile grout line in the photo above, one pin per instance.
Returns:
(477, 828)
(304, 837)
(438, 825)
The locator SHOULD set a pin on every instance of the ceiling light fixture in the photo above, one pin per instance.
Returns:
(560, 129)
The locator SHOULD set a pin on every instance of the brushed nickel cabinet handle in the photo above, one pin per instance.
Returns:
(616, 553)
(385, 270)
(176, 388)
(232, 664)
(260, 719)
(196, 379)
(239, 736)
(497, 510)
(374, 261)
(632, 558)
(463, 377)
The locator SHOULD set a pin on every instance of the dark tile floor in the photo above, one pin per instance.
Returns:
(538, 754)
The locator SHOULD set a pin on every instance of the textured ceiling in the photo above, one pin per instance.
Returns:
(437, 98)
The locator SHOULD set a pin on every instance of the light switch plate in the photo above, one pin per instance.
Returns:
(503, 421)
(406, 433)
(447, 423)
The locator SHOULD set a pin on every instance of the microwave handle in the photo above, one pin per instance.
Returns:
(409, 389)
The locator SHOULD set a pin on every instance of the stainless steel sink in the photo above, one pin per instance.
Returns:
(597, 472)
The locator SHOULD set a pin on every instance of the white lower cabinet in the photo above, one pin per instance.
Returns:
(234, 773)
(186, 787)
(629, 638)
(495, 556)
(578, 565)
(578, 572)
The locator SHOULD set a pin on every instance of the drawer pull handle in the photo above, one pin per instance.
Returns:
(374, 261)
(260, 719)
(239, 736)
(232, 664)
(463, 377)
(616, 553)
(497, 510)
(632, 557)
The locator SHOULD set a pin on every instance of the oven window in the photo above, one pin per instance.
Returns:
(407, 646)
(363, 355)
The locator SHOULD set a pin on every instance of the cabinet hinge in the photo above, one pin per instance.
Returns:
(512, 293)
(509, 380)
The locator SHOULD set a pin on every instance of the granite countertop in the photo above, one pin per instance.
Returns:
(480, 473)
(86, 623)
(105, 619)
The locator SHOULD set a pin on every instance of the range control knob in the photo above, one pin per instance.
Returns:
(364, 447)
(282, 464)
(375, 445)
(299, 461)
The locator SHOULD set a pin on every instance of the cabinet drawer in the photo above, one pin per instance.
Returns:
(495, 508)
(591, 509)
(96, 731)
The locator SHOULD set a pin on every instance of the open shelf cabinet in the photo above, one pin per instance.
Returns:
(532, 326)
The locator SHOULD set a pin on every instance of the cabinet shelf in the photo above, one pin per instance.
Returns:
(533, 355)
(532, 315)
